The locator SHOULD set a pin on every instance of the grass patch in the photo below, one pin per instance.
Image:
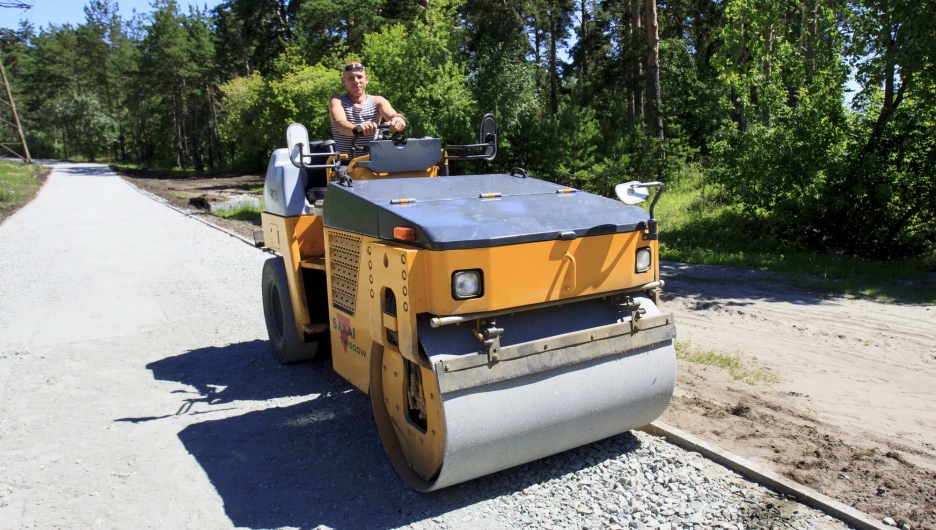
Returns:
(18, 185)
(180, 194)
(696, 226)
(733, 362)
(244, 212)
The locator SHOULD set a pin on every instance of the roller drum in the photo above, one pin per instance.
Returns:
(495, 426)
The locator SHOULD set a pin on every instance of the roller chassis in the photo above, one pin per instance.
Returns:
(564, 310)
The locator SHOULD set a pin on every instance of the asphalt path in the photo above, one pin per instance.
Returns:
(137, 388)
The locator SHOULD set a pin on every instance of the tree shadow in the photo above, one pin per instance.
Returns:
(320, 462)
(84, 171)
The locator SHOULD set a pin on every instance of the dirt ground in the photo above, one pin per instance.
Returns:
(853, 414)
(187, 193)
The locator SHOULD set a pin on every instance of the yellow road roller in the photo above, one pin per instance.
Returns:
(494, 319)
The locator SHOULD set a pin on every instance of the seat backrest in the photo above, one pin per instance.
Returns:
(417, 154)
(318, 177)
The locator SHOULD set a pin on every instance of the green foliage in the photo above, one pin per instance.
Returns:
(83, 122)
(753, 104)
(415, 70)
(258, 110)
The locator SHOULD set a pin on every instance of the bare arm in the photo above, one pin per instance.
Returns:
(397, 123)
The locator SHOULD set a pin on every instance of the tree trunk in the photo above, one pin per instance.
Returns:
(193, 136)
(65, 142)
(629, 31)
(654, 102)
(553, 76)
(215, 150)
(767, 69)
(583, 39)
(177, 129)
(635, 62)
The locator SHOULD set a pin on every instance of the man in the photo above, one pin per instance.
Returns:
(357, 111)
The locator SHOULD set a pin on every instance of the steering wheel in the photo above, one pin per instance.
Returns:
(398, 138)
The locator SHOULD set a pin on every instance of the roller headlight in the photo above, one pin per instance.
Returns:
(466, 284)
(644, 259)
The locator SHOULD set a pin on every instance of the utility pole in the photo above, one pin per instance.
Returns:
(9, 98)
(15, 123)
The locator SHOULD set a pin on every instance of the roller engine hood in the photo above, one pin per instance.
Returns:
(475, 211)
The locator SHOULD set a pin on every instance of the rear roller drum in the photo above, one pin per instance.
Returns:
(288, 345)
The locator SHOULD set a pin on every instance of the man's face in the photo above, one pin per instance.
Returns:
(354, 82)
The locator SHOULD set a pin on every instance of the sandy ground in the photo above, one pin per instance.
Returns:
(854, 412)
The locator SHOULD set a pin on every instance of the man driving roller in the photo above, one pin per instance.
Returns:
(356, 111)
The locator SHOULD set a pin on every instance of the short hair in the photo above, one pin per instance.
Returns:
(354, 67)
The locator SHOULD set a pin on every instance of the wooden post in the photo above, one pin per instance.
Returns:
(19, 128)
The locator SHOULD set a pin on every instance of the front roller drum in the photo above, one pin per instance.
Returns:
(472, 432)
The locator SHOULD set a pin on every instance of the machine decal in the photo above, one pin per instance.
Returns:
(344, 327)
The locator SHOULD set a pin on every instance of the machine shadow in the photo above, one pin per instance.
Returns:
(321, 462)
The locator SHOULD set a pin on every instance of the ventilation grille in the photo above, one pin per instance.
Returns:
(345, 258)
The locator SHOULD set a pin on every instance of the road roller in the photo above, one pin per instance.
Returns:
(494, 319)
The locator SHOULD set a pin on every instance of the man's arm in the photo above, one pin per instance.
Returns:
(397, 123)
(345, 127)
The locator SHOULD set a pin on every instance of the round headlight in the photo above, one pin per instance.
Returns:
(643, 259)
(466, 284)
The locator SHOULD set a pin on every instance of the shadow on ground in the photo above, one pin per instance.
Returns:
(99, 170)
(319, 462)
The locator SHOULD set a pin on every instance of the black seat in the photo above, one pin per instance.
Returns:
(318, 177)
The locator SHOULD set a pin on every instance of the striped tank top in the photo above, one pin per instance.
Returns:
(367, 112)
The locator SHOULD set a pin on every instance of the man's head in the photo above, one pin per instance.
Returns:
(354, 78)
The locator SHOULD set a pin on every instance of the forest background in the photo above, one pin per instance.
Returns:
(743, 103)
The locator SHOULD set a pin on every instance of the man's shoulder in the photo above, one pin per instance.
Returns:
(379, 99)
(339, 97)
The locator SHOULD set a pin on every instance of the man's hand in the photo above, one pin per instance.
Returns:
(397, 123)
(368, 128)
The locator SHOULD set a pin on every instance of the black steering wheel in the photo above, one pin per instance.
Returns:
(383, 133)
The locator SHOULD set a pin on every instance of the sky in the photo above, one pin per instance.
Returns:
(45, 12)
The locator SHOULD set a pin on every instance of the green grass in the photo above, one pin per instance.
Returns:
(241, 213)
(733, 362)
(18, 185)
(697, 227)
(180, 194)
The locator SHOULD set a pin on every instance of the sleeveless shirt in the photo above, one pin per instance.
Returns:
(367, 112)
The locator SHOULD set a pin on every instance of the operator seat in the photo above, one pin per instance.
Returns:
(317, 178)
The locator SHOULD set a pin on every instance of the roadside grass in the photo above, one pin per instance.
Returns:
(697, 227)
(733, 362)
(18, 185)
(244, 212)
(180, 194)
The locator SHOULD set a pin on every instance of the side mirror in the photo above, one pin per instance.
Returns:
(488, 135)
(297, 140)
(632, 192)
